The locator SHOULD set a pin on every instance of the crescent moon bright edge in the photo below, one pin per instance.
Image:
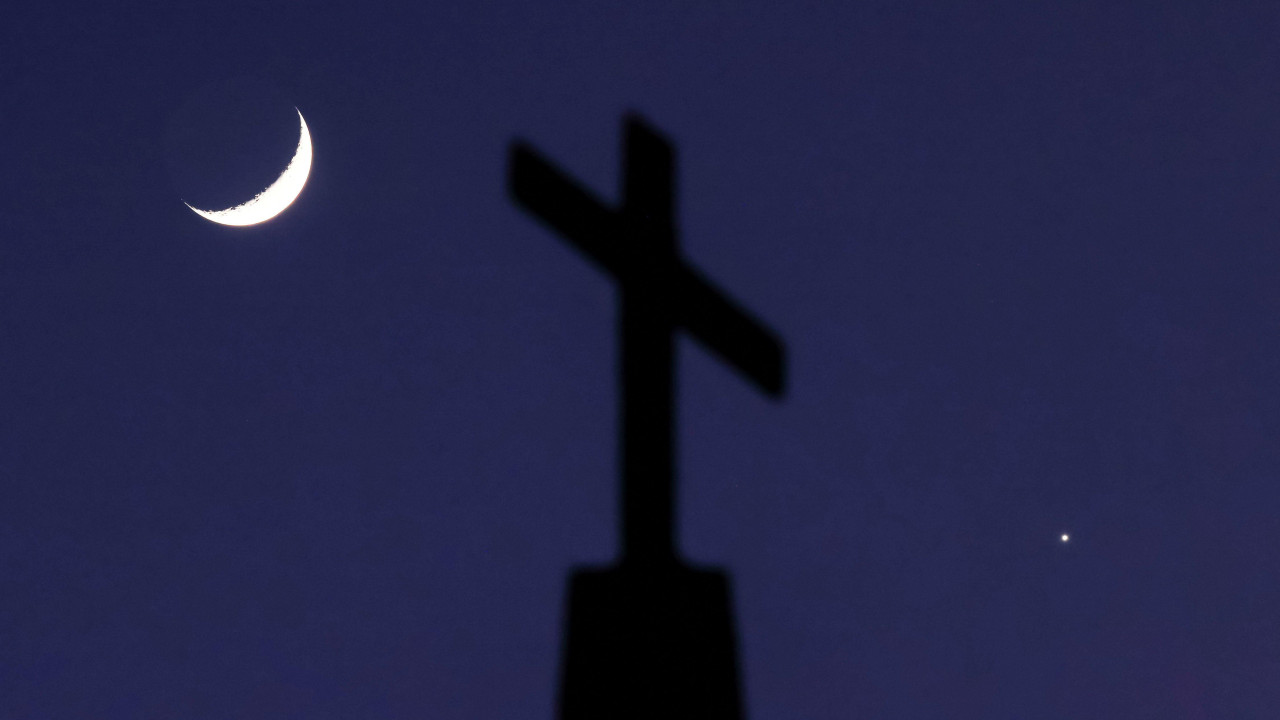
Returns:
(278, 195)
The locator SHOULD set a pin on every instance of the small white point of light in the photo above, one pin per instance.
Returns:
(1065, 537)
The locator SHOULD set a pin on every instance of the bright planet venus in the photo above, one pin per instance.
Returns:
(278, 195)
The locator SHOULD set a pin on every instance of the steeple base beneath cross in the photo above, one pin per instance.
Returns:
(649, 642)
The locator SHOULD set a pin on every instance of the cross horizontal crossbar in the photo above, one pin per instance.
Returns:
(599, 232)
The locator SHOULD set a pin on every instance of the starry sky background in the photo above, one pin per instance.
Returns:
(1023, 256)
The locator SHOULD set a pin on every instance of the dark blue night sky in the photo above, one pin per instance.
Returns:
(338, 465)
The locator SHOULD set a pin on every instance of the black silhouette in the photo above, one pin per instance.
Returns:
(651, 637)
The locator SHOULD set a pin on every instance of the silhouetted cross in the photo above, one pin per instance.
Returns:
(636, 244)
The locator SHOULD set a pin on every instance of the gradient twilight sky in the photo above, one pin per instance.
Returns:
(1024, 257)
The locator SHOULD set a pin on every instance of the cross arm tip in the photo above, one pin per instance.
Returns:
(739, 339)
(774, 383)
(556, 200)
(522, 163)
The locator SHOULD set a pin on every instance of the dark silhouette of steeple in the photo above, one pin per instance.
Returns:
(650, 637)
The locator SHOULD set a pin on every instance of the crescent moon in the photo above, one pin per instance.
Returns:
(278, 195)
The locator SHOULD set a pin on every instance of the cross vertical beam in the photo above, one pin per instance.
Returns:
(647, 351)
